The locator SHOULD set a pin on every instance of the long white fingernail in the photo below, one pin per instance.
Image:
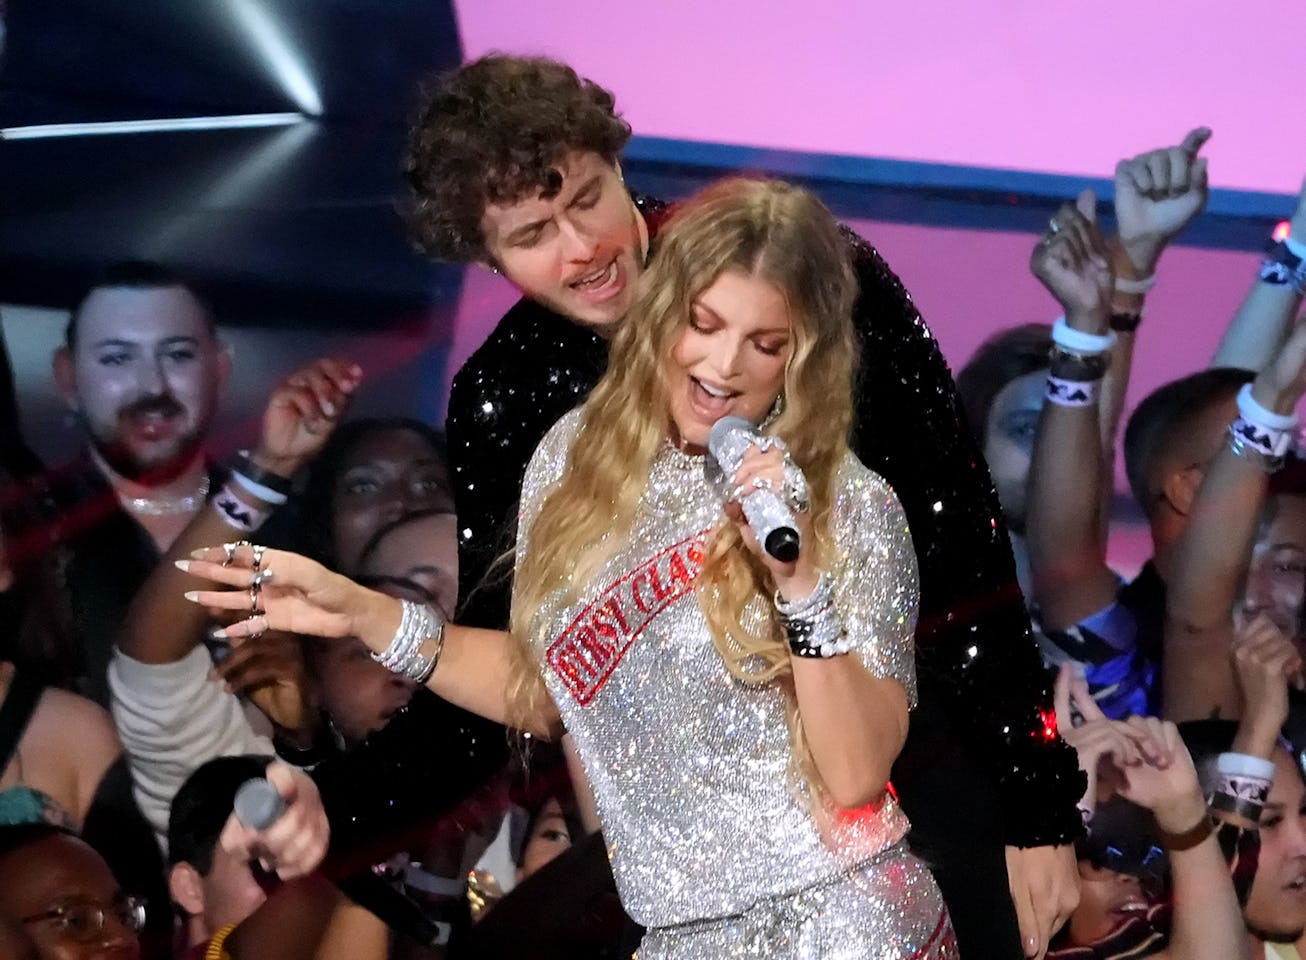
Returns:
(182, 565)
(192, 595)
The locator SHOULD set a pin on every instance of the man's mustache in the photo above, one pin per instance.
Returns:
(161, 405)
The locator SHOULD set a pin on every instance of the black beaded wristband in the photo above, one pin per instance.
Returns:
(273, 481)
(1077, 367)
(1125, 321)
(1221, 802)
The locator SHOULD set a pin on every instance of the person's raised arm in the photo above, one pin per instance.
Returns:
(1157, 195)
(1207, 922)
(1215, 548)
(1265, 661)
(1265, 317)
(1067, 545)
(301, 414)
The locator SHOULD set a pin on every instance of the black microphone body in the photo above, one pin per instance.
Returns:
(769, 517)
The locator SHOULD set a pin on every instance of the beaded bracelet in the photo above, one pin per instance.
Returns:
(1073, 366)
(812, 625)
(1125, 321)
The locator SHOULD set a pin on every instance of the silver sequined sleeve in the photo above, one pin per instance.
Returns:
(876, 587)
(543, 472)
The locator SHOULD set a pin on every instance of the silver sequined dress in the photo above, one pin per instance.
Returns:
(713, 845)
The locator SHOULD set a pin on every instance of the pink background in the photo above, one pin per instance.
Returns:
(1062, 87)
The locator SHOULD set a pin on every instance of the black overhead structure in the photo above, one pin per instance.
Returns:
(284, 215)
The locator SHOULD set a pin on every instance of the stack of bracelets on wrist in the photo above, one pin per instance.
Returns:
(270, 490)
(1242, 786)
(812, 625)
(269, 487)
(418, 624)
(1261, 435)
(1078, 364)
(1285, 265)
(1127, 319)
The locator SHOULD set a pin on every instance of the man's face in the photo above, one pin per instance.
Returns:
(231, 894)
(577, 252)
(144, 376)
(1276, 907)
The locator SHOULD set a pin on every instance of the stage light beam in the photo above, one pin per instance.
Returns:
(276, 51)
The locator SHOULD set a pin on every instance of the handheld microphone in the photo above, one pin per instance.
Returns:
(770, 518)
(258, 805)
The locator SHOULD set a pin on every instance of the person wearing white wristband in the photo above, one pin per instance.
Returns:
(1074, 591)
(1242, 552)
(1267, 313)
(658, 636)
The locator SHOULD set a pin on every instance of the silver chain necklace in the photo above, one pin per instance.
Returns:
(168, 506)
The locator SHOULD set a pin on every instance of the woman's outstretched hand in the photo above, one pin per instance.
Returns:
(277, 590)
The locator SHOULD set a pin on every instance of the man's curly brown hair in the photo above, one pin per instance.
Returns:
(493, 132)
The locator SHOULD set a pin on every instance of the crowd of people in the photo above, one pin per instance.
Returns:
(535, 685)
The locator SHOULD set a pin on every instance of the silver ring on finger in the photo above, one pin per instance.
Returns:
(254, 608)
(230, 550)
(255, 634)
(259, 578)
(762, 483)
(258, 550)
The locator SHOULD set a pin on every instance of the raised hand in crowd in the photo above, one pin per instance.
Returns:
(296, 842)
(1266, 315)
(1102, 744)
(1072, 261)
(1266, 662)
(1067, 540)
(1157, 194)
(302, 412)
(273, 673)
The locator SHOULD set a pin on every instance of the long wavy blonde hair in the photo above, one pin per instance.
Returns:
(767, 230)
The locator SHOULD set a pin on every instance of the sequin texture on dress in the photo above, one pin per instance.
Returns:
(976, 660)
(710, 828)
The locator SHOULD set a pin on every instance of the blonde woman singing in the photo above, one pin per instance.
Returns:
(736, 716)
